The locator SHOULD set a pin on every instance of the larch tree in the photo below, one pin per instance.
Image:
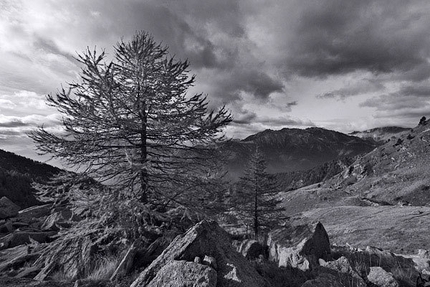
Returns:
(255, 197)
(131, 124)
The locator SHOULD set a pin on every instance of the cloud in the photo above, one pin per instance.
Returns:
(336, 37)
(354, 88)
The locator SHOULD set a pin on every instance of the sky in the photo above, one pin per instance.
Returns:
(344, 65)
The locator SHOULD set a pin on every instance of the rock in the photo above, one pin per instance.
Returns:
(183, 273)
(382, 278)
(299, 246)
(8, 208)
(125, 264)
(205, 238)
(343, 266)
(7, 227)
(251, 249)
(423, 253)
(210, 261)
(197, 260)
(37, 211)
(22, 237)
(324, 280)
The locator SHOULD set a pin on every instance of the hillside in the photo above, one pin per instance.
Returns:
(17, 174)
(381, 134)
(381, 199)
(288, 150)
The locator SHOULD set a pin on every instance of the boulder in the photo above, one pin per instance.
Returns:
(299, 246)
(205, 238)
(381, 278)
(8, 208)
(251, 249)
(342, 265)
(186, 274)
(22, 237)
(37, 211)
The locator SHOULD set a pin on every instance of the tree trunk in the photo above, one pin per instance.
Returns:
(143, 156)
(256, 214)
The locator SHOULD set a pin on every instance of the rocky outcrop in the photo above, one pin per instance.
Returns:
(184, 273)
(204, 239)
(251, 249)
(8, 208)
(344, 268)
(22, 237)
(382, 278)
(299, 246)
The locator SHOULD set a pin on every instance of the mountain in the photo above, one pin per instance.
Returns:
(381, 199)
(17, 174)
(288, 150)
(381, 134)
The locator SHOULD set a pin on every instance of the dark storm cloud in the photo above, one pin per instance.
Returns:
(244, 117)
(354, 89)
(335, 37)
(283, 121)
(13, 124)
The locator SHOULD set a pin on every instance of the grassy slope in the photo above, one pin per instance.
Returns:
(388, 207)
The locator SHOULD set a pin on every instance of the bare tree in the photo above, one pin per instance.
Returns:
(130, 123)
(255, 199)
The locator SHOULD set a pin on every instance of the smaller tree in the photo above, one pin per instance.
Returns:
(255, 196)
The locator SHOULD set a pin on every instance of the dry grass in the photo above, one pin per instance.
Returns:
(104, 268)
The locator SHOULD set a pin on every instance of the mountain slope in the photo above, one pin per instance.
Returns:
(289, 150)
(381, 134)
(382, 199)
(17, 174)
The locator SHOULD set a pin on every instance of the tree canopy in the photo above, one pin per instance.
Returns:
(131, 124)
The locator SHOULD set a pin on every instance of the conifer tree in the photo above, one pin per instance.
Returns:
(131, 124)
(256, 201)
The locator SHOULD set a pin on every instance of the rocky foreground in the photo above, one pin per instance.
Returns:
(206, 255)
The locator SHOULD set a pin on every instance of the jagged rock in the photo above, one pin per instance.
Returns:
(36, 211)
(22, 237)
(324, 280)
(423, 253)
(343, 266)
(382, 278)
(184, 274)
(299, 246)
(210, 261)
(251, 249)
(205, 238)
(8, 208)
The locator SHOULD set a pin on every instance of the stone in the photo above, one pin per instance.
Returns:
(206, 238)
(8, 208)
(299, 246)
(185, 274)
(37, 211)
(423, 253)
(251, 249)
(342, 265)
(210, 261)
(22, 237)
(381, 278)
